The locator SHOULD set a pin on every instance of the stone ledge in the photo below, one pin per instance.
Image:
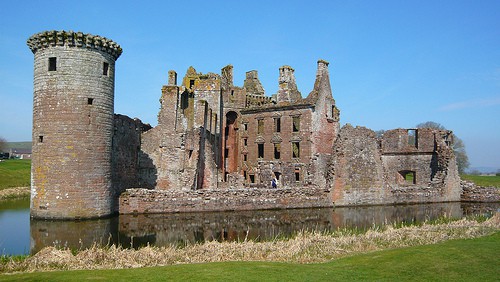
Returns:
(170, 201)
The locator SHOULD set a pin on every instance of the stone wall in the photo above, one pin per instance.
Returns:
(473, 193)
(357, 168)
(126, 152)
(368, 170)
(149, 201)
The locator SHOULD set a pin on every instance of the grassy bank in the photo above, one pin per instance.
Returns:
(15, 173)
(482, 180)
(453, 260)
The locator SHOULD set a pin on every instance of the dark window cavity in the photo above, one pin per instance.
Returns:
(90, 101)
(277, 124)
(261, 150)
(277, 151)
(296, 124)
(105, 69)
(52, 64)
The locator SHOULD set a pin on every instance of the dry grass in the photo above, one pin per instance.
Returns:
(306, 247)
(15, 192)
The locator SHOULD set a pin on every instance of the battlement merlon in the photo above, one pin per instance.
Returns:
(73, 39)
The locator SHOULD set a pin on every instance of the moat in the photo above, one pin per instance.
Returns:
(20, 235)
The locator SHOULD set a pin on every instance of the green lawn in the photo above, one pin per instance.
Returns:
(455, 260)
(15, 173)
(482, 180)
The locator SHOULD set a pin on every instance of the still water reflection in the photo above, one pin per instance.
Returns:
(185, 228)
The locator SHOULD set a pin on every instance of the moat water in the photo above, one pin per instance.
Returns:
(20, 235)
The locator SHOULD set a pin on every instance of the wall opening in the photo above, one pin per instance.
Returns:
(105, 68)
(407, 177)
(297, 174)
(412, 137)
(277, 175)
(260, 126)
(252, 178)
(277, 151)
(40, 139)
(295, 150)
(90, 101)
(52, 64)
(277, 124)
(191, 84)
(295, 124)
(260, 148)
(231, 142)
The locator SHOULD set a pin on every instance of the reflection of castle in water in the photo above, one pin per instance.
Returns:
(186, 228)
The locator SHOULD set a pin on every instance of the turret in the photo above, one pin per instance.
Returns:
(288, 92)
(73, 107)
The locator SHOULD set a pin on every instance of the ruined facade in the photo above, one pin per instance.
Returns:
(217, 146)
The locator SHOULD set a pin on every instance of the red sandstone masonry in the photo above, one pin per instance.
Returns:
(154, 201)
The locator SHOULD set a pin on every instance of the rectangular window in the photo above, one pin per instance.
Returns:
(277, 124)
(105, 68)
(245, 142)
(295, 150)
(412, 137)
(52, 64)
(40, 139)
(245, 126)
(297, 174)
(245, 174)
(277, 151)
(245, 158)
(260, 126)
(252, 178)
(295, 124)
(260, 150)
(90, 101)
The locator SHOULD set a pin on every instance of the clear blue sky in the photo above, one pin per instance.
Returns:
(392, 63)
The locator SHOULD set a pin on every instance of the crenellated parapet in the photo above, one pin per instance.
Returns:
(73, 39)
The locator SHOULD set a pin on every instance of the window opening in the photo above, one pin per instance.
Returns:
(90, 101)
(40, 139)
(412, 137)
(295, 150)
(260, 126)
(297, 174)
(245, 126)
(245, 158)
(277, 124)
(295, 124)
(105, 68)
(277, 151)
(408, 176)
(191, 83)
(261, 150)
(245, 141)
(245, 174)
(52, 64)
(252, 178)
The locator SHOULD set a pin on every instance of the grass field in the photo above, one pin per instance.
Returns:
(15, 173)
(482, 180)
(454, 260)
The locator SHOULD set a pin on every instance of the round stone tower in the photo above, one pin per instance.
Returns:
(73, 108)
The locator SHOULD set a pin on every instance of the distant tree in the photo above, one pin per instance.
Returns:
(380, 132)
(3, 144)
(458, 146)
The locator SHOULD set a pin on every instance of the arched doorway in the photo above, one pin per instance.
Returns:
(231, 143)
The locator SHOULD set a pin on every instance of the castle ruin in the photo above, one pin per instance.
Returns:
(216, 147)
